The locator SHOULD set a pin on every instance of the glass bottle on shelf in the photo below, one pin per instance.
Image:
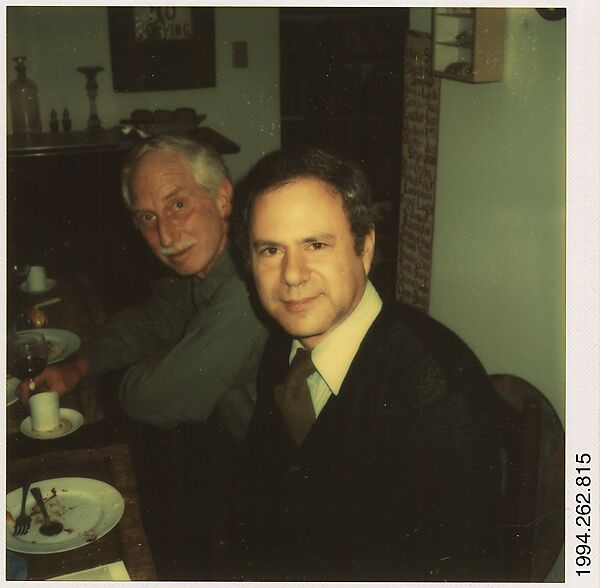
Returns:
(24, 102)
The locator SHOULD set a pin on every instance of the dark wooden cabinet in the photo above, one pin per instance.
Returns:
(65, 212)
(342, 76)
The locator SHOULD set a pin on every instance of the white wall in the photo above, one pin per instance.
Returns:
(498, 276)
(244, 105)
(499, 242)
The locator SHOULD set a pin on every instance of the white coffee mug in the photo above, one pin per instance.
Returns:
(44, 411)
(36, 278)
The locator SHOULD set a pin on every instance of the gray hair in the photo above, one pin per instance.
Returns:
(208, 167)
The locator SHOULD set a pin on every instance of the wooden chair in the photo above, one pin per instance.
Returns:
(532, 517)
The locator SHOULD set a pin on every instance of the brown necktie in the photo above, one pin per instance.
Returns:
(293, 397)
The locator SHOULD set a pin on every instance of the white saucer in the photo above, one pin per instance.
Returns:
(50, 283)
(70, 421)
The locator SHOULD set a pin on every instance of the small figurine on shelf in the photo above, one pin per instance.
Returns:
(54, 125)
(464, 39)
(460, 68)
(66, 121)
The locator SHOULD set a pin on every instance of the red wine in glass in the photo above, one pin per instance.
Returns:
(28, 353)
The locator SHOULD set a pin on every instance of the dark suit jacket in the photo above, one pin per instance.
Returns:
(397, 480)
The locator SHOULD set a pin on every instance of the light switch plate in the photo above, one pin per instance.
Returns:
(240, 53)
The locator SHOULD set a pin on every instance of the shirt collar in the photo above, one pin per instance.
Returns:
(332, 356)
(206, 287)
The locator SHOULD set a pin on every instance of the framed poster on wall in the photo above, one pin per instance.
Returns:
(161, 47)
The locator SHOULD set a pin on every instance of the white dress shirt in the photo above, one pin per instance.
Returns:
(332, 356)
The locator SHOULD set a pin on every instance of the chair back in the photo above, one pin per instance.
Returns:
(532, 517)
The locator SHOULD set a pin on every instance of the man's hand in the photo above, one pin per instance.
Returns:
(62, 378)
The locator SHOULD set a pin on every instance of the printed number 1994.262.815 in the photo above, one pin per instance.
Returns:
(583, 517)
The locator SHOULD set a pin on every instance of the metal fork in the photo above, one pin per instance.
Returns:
(23, 521)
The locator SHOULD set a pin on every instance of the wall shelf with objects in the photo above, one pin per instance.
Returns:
(468, 44)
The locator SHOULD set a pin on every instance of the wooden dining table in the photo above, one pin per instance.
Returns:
(126, 542)
(97, 450)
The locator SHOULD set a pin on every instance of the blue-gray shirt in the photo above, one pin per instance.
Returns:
(194, 346)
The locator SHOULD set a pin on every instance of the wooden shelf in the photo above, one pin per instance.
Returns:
(469, 47)
(454, 44)
(113, 139)
(455, 14)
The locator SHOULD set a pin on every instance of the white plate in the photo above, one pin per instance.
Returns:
(50, 283)
(61, 343)
(87, 508)
(12, 384)
(70, 421)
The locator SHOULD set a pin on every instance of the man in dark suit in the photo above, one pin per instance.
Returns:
(372, 453)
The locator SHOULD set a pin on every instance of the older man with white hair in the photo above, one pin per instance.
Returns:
(192, 349)
(194, 345)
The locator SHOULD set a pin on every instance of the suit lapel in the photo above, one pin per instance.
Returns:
(347, 406)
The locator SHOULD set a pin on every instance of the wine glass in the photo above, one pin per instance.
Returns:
(28, 355)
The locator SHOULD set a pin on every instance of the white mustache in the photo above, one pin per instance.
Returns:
(176, 249)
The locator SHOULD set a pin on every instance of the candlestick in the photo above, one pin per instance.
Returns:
(90, 72)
